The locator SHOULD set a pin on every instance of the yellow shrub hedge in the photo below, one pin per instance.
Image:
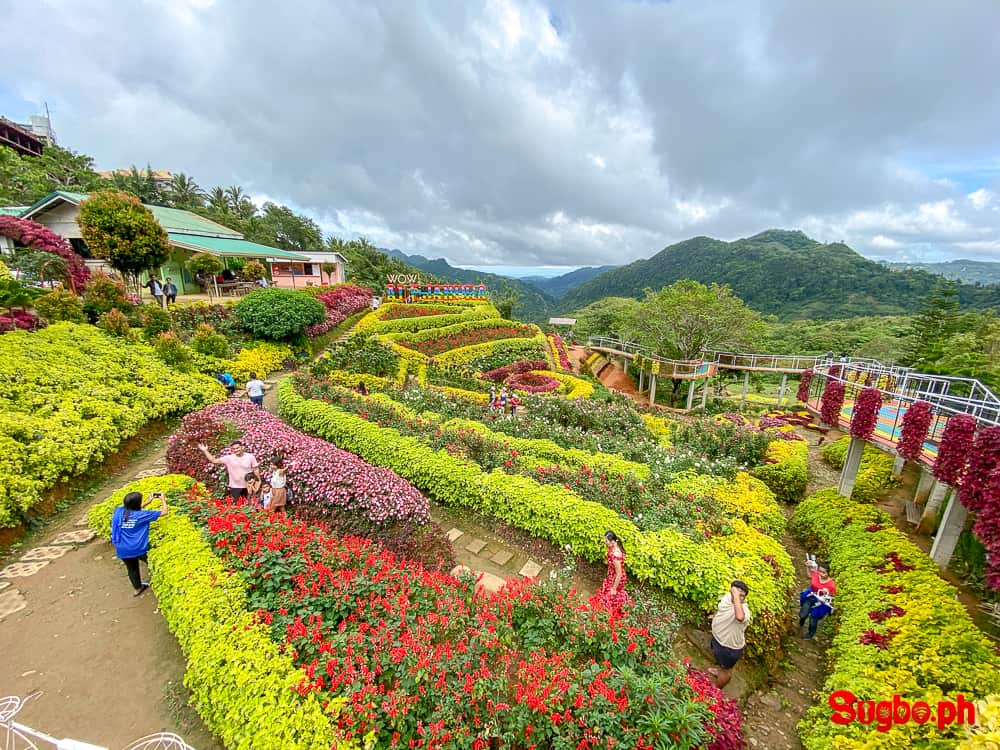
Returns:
(241, 683)
(69, 395)
(787, 472)
(659, 428)
(575, 387)
(742, 497)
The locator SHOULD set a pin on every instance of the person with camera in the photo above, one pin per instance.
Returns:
(130, 533)
(729, 625)
(816, 602)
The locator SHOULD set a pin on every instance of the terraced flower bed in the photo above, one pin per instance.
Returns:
(459, 340)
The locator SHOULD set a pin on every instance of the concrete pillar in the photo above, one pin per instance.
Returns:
(641, 373)
(746, 383)
(691, 395)
(952, 525)
(781, 389)
(934, 500)
(625, 365)
(652, 390)
(897, 466)
(704, 394)
(852, 462)
(924, 486)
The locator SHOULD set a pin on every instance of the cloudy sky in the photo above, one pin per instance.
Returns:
(559, 133)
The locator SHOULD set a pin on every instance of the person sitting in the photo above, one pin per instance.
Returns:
(263, 283)
(816, 602)
(227, 380)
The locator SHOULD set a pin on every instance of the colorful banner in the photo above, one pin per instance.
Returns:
(434, 292)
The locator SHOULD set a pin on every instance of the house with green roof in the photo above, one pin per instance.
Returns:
(189, 234)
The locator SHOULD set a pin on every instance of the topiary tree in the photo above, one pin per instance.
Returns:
(329, 269)
(204, 267)
(278, 314)
(254, 271)
(117, 227)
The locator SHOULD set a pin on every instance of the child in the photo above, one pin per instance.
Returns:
(265, 496)
(253, 487)
(279, 484)
(503, 399)
(514, 403)
(816, 602)
(493, 397)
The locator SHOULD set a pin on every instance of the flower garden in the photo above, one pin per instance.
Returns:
(346, 618)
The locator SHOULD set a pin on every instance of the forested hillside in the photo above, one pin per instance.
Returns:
(966, 271)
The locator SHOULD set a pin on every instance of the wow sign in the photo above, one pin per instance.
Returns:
(434, 292)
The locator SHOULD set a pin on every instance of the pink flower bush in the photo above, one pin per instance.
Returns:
(984, 459)
(987, 528)
(953, 450)
(864, 417)
(803, 393)
(916, 423)
(531, 383)
(501, 374)
(831, 403)
(559, 347)
(318, 472)
(341, 303)
(38, 237)
(20, 320)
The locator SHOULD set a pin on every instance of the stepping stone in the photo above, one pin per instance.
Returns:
(82, 521)
(10, 602)
(490, 582)
(22, 569)
(475, 546)
(150, 473)
(4, 584)
(44, 553)
(502, 557)
(74, 537)
(531, 569)
(454, 534)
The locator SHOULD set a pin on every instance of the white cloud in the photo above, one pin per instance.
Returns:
(981, 198)
(885, 243)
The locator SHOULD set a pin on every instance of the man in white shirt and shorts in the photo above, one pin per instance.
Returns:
(729, 626)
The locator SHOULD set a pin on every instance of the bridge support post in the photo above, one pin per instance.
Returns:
(951, 527)
(746, 383)
(625, 365)
(691, 395)
(934, 500)
(852, 462)
(781, 389)
(924, 486)
(641, 373)
(897, 466)
(704, 395)
(652, 390)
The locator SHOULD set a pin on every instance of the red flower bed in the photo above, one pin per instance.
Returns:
(424, 663)
(831, 403)
(864, 417)
(20, 320)
(533, 383)
(471, 337)
(319, 473)
(953, 450)
(500, 374)
(341, 303)
(916, 423)
(803, 393)
(398, 312)
(559, 347)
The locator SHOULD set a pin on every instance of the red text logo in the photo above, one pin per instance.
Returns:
(848, 708)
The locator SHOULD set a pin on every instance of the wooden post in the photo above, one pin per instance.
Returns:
(952, 524)
(625, 365)
(691, 395)
(652, 390)
(746, 383)
(781, 389)
(852, 462)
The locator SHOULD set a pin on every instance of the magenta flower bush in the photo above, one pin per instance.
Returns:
(31, 234)
(916, 423)
(559, 347)
(18, 320)
(532, 383)
(953, 450)
(341, 303)
(500, 374)
(864, 417)
(318, 472)
(984, 459)
(831, 403)
(804, 382)
(987, 528)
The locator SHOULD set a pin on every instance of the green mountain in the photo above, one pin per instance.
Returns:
(966, 271)
(533, 305)
(783, 273)
(559, 286)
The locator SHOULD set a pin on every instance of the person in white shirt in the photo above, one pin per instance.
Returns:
(255, 390)
(729, 626)
(375, 303)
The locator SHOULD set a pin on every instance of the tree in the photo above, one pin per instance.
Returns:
(505, 299)
(140, 183)
(218, 201)
(279, 226)
(119, 228)
(610, 316)
(13, 294)
(938, 321)
(185, 193)
(25, 179)
(366, 264)
(329, 269)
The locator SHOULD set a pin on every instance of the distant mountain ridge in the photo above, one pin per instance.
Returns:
(559, 286)
(966, 271)
(779, 272)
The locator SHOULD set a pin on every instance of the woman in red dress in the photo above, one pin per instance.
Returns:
(612, 595)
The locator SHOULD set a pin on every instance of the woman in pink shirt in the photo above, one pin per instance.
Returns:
(238, 465)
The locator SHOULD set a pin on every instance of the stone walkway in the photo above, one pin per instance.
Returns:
(491, 560)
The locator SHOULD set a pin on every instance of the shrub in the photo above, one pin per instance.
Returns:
(115, 323)
(713, 440)
(278, 314)
(204, 265)
(785, 469)
(60, 304)
(874, 475)
(533, 382)
(253, 271)
(103, 294)
(360, 355)
(500, 374)
(118, 227)
(171, 350)
(900, 630)
(340, 303)
(741, 497)
(208, 341)
(155, 320)
(207, 610)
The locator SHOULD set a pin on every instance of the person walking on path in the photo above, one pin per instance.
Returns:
(729, 625)
(156, 289)
(238, 464)
(130, 534)
(255, 390)
(612, 595)
(816, 602)
(279, 484)
(170, 291)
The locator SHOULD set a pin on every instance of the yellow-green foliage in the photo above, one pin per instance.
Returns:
(373, 322)
(742, 497)
(438, 331)
(574, 387)
(264, 358)
(874, 474)
(985, 733)
(241, 683)
(596, 362)
(659, 428)
(69, 395)
(700, 572)
(787, 471)
(464, 355)
(936, 652)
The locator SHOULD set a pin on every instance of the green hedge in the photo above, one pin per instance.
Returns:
(241, 684)
(874, 475)
(788, 473)
(374, 324)
(700, 572)
(937, 651)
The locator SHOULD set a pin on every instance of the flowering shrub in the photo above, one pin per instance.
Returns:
(576, 388)
(831, 403)
(785, 469)
(984, 459)
(458, 340)
(922, 644)
(741, 497)
(319, 474)
(102, 294)
(18, 320)
(491, 355)
(399, 312)
(804, 382)
(716, 439)
(532, 382)
(70, 394)
(28, 233)
(916, 422)
(341, 303)
(381, 321)
(500, 374)
(559, 354)
(953, 450)
(864, 417)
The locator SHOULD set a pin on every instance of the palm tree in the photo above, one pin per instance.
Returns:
(218, 200)
(185, 193)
